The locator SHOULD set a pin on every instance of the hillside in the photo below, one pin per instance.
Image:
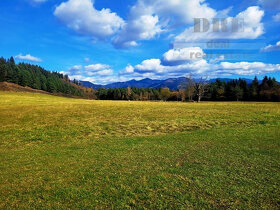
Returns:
(12, 87)
(7, 86)
(36, 77)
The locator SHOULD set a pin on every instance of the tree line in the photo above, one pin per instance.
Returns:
(235, 90)
(239, 90)
(192, 90)
(36, 77)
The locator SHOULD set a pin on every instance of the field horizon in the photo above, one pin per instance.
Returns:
(144, 104)
(61, 152)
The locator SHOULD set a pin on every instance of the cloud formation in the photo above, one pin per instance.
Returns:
(74, 70)
(82, 17)
(178, 56)
(98, 73)
(28, 57)
(251, 29)
(145, 27)
(98, 70)
(96, 67)
(157, 69)
(148, 19)
(271, 48)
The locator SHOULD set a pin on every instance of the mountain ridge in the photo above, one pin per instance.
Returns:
(171, 83)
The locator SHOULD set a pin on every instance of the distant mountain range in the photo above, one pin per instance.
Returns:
(172, 83)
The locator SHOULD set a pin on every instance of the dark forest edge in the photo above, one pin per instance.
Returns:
(37, 78)
(193, 90)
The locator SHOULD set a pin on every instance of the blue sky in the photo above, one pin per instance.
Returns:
(105, 41)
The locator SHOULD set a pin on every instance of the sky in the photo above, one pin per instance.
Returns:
(105, 41)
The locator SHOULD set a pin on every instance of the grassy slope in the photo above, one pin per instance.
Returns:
(61, 152)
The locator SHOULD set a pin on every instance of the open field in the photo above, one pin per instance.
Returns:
(59, 152)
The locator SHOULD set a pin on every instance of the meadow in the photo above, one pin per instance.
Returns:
(60, 152)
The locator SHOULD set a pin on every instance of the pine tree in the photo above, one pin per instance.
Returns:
(254, 89)
(51, 86)
(3, 71)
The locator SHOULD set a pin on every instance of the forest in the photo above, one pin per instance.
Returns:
(235, 90)
(36, 77)
(193, 90)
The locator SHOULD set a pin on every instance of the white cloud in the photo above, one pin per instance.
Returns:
(80, 77)
(98, 73)
(28, 57)
(128, 69)
(147, 19)
(276, 17)
(253, 28)
(204, 68)
(96, 80)
(151, 65)
(177, 56)
(156, 69)
(82, 17)
(271, 48)
(182, 11)
(218, 59)
(74, 70)
(96, 67)
(142, 28)
(96, 70)
(77, 67)
(105, 72)
(246, 68)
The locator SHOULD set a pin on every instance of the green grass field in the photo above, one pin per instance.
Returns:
(71, 153)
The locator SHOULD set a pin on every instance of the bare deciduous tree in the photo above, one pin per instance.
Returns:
(182, 95)
(190, 87)
(128, 94)
(200, 88)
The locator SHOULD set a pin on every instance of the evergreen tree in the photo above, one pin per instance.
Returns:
(3, 70)
(254, 89)
(51, 86)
